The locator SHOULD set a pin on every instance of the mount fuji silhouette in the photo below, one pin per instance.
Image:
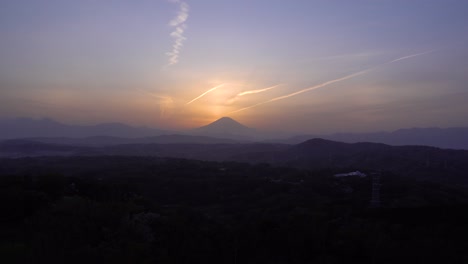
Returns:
(226, 127)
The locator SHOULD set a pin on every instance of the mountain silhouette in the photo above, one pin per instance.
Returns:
(27, 127)
(220, 131)
(451, 138)
(226, 127)
(428, 163)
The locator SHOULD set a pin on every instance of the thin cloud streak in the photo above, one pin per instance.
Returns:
(411, 56)
(178, 33)
(303, 91)
(329, 82)
(236, 97)
(203, 94)
(257, 91)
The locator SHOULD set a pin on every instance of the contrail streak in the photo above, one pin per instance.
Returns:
(203, 94)
(236, 97)
(303, 91)
(258, 90)
(329, 82)
(178, 33)
(411, 56)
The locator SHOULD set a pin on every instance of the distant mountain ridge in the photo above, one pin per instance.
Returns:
(451, 138)
(29, 128)
(224, 130)
(101, 141)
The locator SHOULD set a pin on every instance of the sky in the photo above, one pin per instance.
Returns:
(308, 66)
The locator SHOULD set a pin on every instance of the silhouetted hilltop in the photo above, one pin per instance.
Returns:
(453, 138)
(414, 161)
(319, 146)
(417, 161)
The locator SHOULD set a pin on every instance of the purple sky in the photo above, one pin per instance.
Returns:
(303, 66)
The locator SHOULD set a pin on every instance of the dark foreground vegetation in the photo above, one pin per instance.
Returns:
(154, 210)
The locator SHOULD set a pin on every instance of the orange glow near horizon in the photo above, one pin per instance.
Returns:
(224, 98)
(210, 104)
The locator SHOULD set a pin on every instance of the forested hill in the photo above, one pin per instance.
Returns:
(114, 209)
(418, 161)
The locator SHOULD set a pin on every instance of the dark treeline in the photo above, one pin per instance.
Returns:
(153, 210)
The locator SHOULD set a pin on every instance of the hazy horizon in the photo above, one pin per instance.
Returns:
(297, 66)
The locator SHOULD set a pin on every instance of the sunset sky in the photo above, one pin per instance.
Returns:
(315, 66)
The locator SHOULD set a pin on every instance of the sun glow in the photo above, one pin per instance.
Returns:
(224, 97)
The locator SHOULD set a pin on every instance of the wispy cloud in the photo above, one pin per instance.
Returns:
(203, 94)
(179, 25)
(329, 82)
